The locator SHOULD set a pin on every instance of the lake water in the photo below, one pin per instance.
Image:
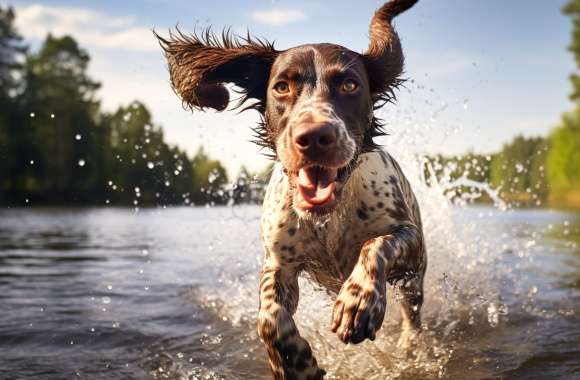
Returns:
(172, 294)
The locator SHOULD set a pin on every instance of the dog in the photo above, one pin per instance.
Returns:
(337, 207)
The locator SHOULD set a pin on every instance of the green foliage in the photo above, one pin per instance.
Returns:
(56, 146)
(572, 9)
(209, 178)
(563, 159)
(11, 56)
(519, 167)
(58, 106)
(140, 165)
(11, 51)
(564, 156)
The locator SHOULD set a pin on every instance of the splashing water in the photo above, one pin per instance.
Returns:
(174, 292)
(463, 286)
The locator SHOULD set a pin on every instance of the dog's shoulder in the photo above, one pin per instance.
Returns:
(384, 194)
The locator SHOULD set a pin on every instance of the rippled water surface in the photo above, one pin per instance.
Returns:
(172, 294)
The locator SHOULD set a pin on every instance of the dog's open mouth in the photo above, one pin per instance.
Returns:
(319, 188)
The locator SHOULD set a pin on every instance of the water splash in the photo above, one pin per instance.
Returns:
(461, 291)
(464, 299)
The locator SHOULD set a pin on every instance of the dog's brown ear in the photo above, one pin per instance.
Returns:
(384, 56)
(200, 65)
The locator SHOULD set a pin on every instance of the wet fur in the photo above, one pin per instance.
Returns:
(374, 235)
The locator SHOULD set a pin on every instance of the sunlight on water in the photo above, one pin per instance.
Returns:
(172, 292)
(462, 287)
(459, 286)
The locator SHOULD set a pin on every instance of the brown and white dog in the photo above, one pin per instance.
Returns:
(337, 207)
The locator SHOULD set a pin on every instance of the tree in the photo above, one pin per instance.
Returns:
(563, 160)
(57, 147)
(564, 155)
(12, 50)
(142, 166)
(572, 9)
(62, 128)
(209, 178)
(518, 168)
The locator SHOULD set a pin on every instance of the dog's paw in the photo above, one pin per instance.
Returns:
(359, 310)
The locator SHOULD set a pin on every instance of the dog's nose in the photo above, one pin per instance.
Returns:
(313, 139)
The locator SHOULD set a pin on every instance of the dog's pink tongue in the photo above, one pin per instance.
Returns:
(316, 185)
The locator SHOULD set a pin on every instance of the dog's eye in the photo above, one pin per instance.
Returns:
(349, 85)
(282, 88)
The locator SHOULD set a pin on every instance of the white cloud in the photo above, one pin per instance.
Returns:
(278, 17)
(87, 26)
(117, 46)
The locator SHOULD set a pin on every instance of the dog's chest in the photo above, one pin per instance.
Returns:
(330, 252)
(328, 248)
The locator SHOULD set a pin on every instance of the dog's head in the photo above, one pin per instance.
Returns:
(316, 101)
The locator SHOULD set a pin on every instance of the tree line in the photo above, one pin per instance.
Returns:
(58, 147)
(532, 170)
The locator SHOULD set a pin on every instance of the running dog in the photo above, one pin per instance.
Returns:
(337, 207)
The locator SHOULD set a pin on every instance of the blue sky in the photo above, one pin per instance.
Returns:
(480, 71)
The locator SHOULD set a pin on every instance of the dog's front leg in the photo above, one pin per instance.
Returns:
(290, 355)
(359, 309)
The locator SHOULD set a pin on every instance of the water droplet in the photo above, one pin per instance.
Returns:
(212, 176)
(32, 114)
(106, 300)
(150, 165)
(31, 162)
(78, 137)
(52, 116)
(81, 162)
(492, 315)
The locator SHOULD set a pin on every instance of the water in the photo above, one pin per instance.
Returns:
(172, 294)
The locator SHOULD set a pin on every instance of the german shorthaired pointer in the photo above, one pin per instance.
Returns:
(337, 207)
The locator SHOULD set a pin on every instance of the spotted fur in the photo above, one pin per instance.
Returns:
(374, 237)
(317, 106)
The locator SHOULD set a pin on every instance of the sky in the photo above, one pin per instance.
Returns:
(479, 71)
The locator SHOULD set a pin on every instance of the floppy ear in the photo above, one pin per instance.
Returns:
(384, 56)
(199, 67)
